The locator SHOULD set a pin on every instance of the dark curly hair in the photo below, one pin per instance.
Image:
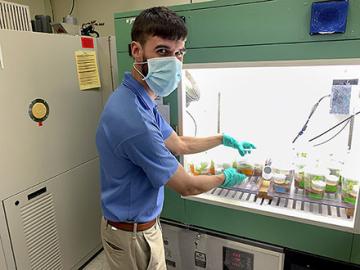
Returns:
(158, 21)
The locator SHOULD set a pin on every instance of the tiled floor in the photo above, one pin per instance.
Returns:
(98, 263)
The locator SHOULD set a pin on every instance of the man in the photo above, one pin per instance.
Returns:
(137, 147)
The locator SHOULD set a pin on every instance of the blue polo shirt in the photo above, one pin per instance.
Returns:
(134, 161)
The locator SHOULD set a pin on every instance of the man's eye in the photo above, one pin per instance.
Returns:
(180, 53)
(162, 51)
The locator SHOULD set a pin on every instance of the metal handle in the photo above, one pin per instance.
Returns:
(1, 58)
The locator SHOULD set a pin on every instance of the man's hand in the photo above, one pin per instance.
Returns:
(243, 147)
(232, 177)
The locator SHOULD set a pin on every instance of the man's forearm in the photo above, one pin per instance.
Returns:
(195, 145)
(204, 183)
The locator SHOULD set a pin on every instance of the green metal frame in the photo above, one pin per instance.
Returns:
(243, 31)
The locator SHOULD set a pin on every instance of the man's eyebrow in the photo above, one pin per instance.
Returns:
(162, 47)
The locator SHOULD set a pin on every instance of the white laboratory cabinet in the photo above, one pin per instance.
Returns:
(50, 214)
(268, 103)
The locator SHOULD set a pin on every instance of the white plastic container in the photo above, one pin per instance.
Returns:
(315, 182)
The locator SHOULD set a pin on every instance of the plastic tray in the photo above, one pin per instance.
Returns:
(250, 185)
(333, 199)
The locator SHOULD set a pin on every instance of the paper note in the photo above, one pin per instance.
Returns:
(87, 69)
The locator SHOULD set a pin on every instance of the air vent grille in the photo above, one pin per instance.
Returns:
(41, 235)
(14, 17)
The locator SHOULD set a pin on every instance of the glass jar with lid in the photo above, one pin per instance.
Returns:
(282, 176)
(350, 188)
(245, 168)
(315, 182)
(300, 164)
(332, 182)
(335, 167)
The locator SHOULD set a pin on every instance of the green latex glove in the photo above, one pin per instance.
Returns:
(232, 177)
(243, 147)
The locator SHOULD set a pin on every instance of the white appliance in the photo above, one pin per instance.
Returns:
(50, 205)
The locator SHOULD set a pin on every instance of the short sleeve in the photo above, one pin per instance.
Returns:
(148, 151)
(165, 128)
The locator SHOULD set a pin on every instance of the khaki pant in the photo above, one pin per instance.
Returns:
(133, 250)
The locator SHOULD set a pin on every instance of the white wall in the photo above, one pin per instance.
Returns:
(87, 10)
(103, 11)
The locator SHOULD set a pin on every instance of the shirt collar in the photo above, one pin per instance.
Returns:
(138, 90)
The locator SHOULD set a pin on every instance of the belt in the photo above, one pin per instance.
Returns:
(131, 227)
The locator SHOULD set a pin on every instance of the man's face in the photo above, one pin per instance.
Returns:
(157, 47)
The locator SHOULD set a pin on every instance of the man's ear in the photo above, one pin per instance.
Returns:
(136, 51)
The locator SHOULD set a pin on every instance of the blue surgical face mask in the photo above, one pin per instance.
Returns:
(164, 74)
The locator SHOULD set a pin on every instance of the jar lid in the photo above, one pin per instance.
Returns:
(245, 165)
(332, 178)
(318, 184)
